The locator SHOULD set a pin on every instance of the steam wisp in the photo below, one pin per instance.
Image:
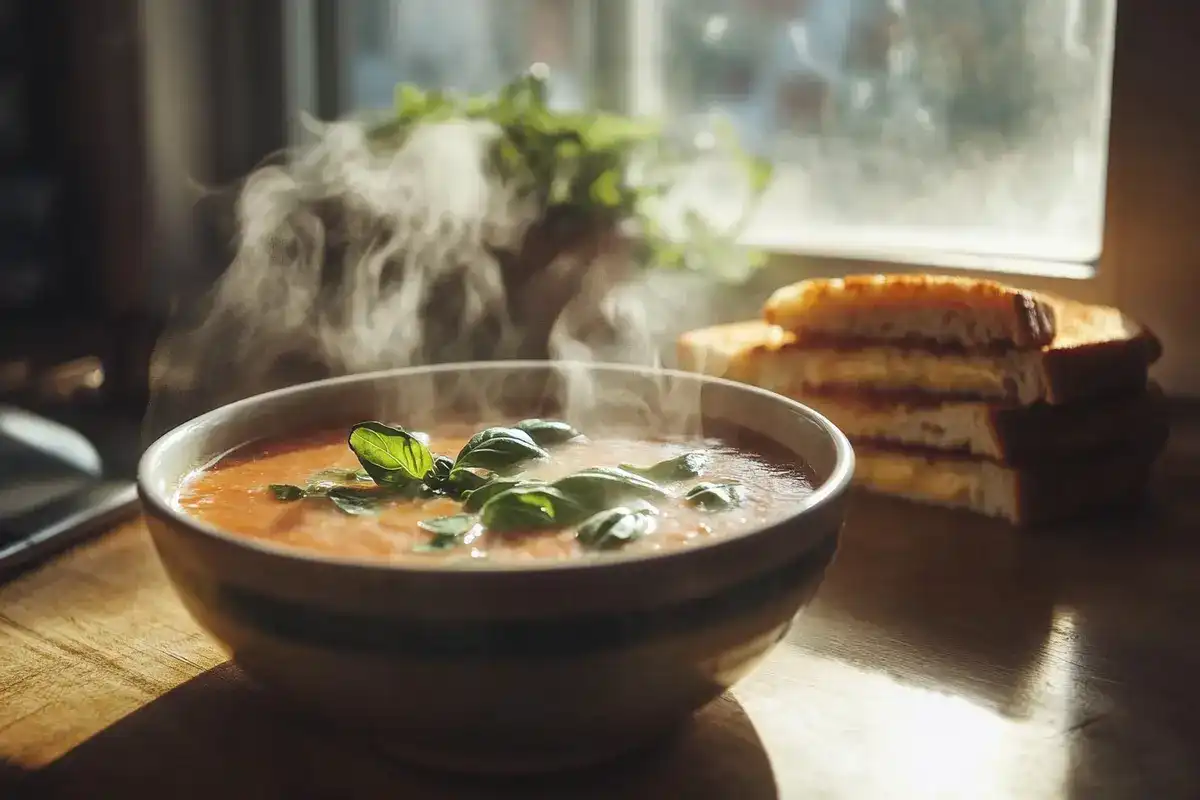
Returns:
(350, 260)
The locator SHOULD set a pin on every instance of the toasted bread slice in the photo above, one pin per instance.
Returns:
(1012, 435)
(1047, 492)
(965, 312)
(1098, 352)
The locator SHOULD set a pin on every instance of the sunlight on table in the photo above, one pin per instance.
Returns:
(922, 743)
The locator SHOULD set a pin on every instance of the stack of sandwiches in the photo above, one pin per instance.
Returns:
(960, 392)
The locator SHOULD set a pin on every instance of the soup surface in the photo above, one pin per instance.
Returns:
(279, 492)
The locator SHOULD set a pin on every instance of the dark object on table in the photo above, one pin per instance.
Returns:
(55, 488)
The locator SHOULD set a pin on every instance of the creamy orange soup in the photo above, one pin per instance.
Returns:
(236, 494)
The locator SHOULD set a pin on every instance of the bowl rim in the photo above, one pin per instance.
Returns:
(835, 485)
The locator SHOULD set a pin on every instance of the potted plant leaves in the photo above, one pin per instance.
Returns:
(597, 182)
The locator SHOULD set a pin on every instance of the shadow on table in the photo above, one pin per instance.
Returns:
(218, 736)
(13, 779)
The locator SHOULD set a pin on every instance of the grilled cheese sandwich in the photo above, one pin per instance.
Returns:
(1102, 352)
(1029, 421)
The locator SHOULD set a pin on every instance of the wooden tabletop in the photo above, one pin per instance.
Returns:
(945, 657)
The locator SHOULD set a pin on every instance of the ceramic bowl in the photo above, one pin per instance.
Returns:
(503, 668)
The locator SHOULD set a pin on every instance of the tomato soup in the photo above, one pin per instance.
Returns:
(529, 491)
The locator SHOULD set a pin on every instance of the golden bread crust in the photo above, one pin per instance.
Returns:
(968, 311)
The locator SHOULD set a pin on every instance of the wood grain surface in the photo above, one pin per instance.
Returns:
(945, 657)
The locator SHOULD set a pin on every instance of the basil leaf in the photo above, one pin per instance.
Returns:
(679, 468)
(462, 481)
(604, 487)
(715, 496)
(354, 501)
(547, 431)
(616, 527)
(439, 473)
(474, 499)
(286, 492)
(320, 483)
(535, 508)
(453, 525)
(447, 531)
(442, 465)
(338, 475)
(498, 449)
(416, 490)
(391, 456)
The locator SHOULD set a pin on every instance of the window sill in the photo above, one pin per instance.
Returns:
(787, 225)
(1087, 283)
(909, 258)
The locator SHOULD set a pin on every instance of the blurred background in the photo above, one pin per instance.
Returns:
(883, 114)
(971, 126)
(956, 134)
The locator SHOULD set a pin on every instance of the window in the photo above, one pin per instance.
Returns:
(897, 126)
(471, 46)
(954, 125)
(912, 134)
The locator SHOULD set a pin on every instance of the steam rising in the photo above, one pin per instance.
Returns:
(351, 259)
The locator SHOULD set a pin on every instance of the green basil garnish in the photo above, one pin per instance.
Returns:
(452, 525)
(496, 449)
(462, 481)
(609, 504)
(679, 468)
(447, 531)
(439, 473)
(286, 492)
(546, 432)
(715, 496)
(474, 499)
(355, 501)
(570, 498)
(454, 481)
(616, 527)
(337, 476)
(530, 509)
(391, 456)
(604, 487)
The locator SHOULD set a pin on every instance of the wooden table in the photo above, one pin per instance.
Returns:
(945, 657)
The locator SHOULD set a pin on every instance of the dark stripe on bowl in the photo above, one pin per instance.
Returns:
(509, 639)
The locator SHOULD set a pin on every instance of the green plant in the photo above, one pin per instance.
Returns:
(587, 172)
